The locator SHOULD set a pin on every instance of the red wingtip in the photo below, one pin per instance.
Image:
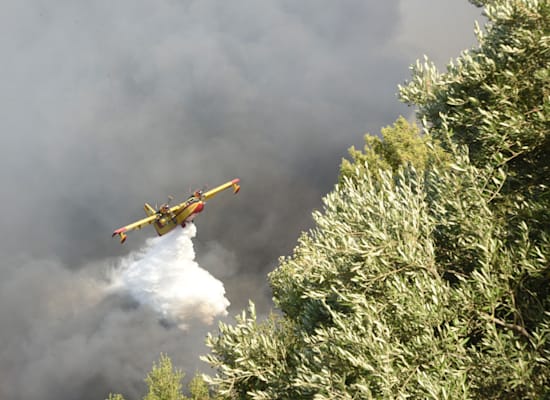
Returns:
(236, 186)
(121, 233)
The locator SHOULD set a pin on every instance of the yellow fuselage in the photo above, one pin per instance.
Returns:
(178, 216)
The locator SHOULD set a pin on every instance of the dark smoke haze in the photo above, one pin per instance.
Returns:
(105, 105)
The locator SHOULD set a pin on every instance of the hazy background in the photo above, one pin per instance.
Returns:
(107, 104)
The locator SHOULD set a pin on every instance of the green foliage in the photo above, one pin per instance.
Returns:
(255, 359)
(425, 276)
(115, 397)
(164, 381)
(199, 388)
(406, 288)
(387, 258)
(480, 3)
(496, 101)
(401, 144)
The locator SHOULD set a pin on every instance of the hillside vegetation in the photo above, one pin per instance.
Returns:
(427, 274)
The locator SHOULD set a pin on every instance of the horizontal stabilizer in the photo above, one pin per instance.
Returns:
(149, 210)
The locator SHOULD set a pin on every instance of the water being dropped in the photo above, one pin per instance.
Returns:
(165, 276)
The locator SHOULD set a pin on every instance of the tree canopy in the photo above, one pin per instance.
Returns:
(496, 101)
(164, 382)
(423, 278)
(401, 144)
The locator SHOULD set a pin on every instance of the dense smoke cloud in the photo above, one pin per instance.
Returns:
(106, 105)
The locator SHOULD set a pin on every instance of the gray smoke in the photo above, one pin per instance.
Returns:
(106, 105)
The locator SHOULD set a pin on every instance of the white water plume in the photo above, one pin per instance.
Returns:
(165, 276)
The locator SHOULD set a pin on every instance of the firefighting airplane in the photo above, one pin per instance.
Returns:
(167, 218)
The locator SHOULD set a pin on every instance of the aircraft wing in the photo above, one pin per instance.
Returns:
(133, 226)
(234, 183)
